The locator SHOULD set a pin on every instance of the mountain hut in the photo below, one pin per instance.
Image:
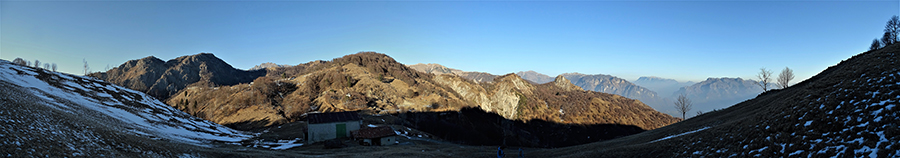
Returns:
(326, 126)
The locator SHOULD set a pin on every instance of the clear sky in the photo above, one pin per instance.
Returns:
(683, 40)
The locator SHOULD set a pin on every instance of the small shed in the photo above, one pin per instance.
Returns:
(376, 136)
(326, 126)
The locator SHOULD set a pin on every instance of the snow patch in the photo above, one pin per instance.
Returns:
(677, 135)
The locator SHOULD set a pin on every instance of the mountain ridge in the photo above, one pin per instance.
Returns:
(376, 83)
(535, 77)
(438, 69)
(163, 79)
(662, 86)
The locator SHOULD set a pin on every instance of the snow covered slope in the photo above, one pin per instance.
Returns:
(46, 113)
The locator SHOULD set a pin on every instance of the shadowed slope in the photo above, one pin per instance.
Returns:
(848, 110)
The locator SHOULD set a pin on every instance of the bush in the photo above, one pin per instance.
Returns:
(875, 44)
(20, 61)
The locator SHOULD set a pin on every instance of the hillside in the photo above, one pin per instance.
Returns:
(535, 77)
(53, 114)
(163, 79)
(717, 93)
(438, 69)
(847, 110)
(376, 83)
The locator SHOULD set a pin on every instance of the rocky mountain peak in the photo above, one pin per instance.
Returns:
(267, 65)
(433, 68)
(438, 69)
(162, 79)
(535, 77)
(564, 83)
(654, 79)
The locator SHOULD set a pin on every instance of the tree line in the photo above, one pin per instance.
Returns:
(891, 34)
(37, 64)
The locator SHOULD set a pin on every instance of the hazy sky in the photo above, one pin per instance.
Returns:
(683, 40)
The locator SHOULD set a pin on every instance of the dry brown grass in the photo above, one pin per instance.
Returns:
(374, 82)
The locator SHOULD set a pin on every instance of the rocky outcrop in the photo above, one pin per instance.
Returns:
(163, 79)
(267, 65)
(438, 69)
(564, 83)
(433, 68)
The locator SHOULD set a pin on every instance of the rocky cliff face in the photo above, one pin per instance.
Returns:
(376, 83)
(564, 83)
(163, 79)
(535, 77)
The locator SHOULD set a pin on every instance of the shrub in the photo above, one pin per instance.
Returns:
(875, 44)
(20, 61)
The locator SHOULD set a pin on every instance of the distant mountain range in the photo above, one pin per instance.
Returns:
(535, 77)
(610, 84)
(662, 86)
(714, 93)
(718, 93)
(606, 84)
(847, 110)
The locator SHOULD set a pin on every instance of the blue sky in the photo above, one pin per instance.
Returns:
(683, 40)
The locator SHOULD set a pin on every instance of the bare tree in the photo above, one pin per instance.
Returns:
(20, 61)
(875, 44)
(87, 69)
(891, 31)
(37, 64)
(887, 39)
(28, 64)
(765, 77)
(784, 79)
(53, 66)
(683, 105)
(47, 66)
